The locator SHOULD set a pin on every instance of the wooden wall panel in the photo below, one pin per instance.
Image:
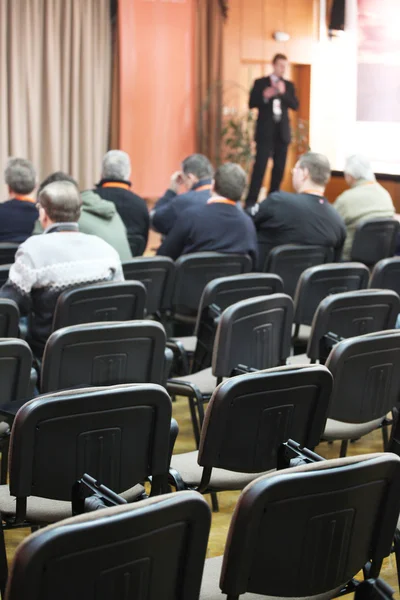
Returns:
(252, 33)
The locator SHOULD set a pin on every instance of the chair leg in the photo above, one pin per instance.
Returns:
(343, 448)
(214, 501)
(385, 437)
(3, 563)
(195, 422)
(4, 462)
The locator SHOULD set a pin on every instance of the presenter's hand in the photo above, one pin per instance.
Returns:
(281, 87)
(177, 180)
(269, 93)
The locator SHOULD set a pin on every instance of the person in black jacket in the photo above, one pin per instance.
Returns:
(116, 187)
(273, 96)
(302, 218)
(19, 213)
(219, 225)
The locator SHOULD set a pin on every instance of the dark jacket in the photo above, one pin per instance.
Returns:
(17, 219)
(285, 218)
(131, 207)
(171, 205)
(215, 227)
(265, 122)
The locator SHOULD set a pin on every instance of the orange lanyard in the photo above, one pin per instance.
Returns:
(204, 187)
(116, 184)
(24, 198)
(219, 200)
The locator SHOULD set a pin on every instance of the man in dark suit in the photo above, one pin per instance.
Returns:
(273, 96)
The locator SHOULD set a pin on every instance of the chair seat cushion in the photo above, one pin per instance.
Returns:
(210, 589)
(204, 380)
(45, 510)
(188, 342)
(298, 359)
(4, 428)
(221, 479)
(339, 430)
(304, 333)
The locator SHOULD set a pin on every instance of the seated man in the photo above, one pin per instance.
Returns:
(62, 257)
(98, 217)
(302, 218)
(366, 198)
(196, 177)
(220, 225)
(19, 213)
(116, 187)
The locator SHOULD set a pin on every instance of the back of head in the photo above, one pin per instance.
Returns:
(61, 201)
(198, 165)
(359, 167)
(57, 176)
(116, 166)
(230, 181)
(318, 167)
(20, 176)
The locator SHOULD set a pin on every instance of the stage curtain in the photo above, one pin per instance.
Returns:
(209, 54)
(55, 70)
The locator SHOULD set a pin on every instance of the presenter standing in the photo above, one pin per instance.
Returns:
(273, 96)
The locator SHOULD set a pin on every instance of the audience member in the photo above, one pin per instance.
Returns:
(116, 187)
(19, 213)
(196, 177)
(60, 258)
(219, 225)
(98, 217)
(305, 217)
(366, 198)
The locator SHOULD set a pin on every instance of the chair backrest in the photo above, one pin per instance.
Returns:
(254, 332)
(386, 275)
(318, 282)
(4, 272)
(250, 416)
(219, 294)
(366, 377)
(137, 244)
(374, 239)
(351, 314)
(15, 369)
(290, 260)
(122, 301)
(118, 434)
(9, 318)
(157, 275)
(150, 550)
(104, 354)
(194, 271)
(7, 253)
(323, 521)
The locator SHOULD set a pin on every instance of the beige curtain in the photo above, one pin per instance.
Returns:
(55, 84)
(209, 47)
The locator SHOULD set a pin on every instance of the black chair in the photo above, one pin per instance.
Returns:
(122, 301)
(374, 589)
(157, 275)
(316, 283)
(4, 272)
(217, 296)
(254, 333)
(346, 315)
(193, 272)
(119, 434)
(154, 550)
(366, 385)
(247, 420)
(374, 239)
(104, 354)
(137, 244)
(9, 318)
(386, 275)
(290, 260)
(305, 532)
(7, 253)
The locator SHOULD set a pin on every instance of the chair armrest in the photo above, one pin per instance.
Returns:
(181, 359)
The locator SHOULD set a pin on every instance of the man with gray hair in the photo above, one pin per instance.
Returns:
(62, 257)
(219, 225)
(116, 187)
(195, 178)
(366, 198)
(18, 214)
(305, 217)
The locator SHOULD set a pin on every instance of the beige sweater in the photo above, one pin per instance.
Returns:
(365, 200)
